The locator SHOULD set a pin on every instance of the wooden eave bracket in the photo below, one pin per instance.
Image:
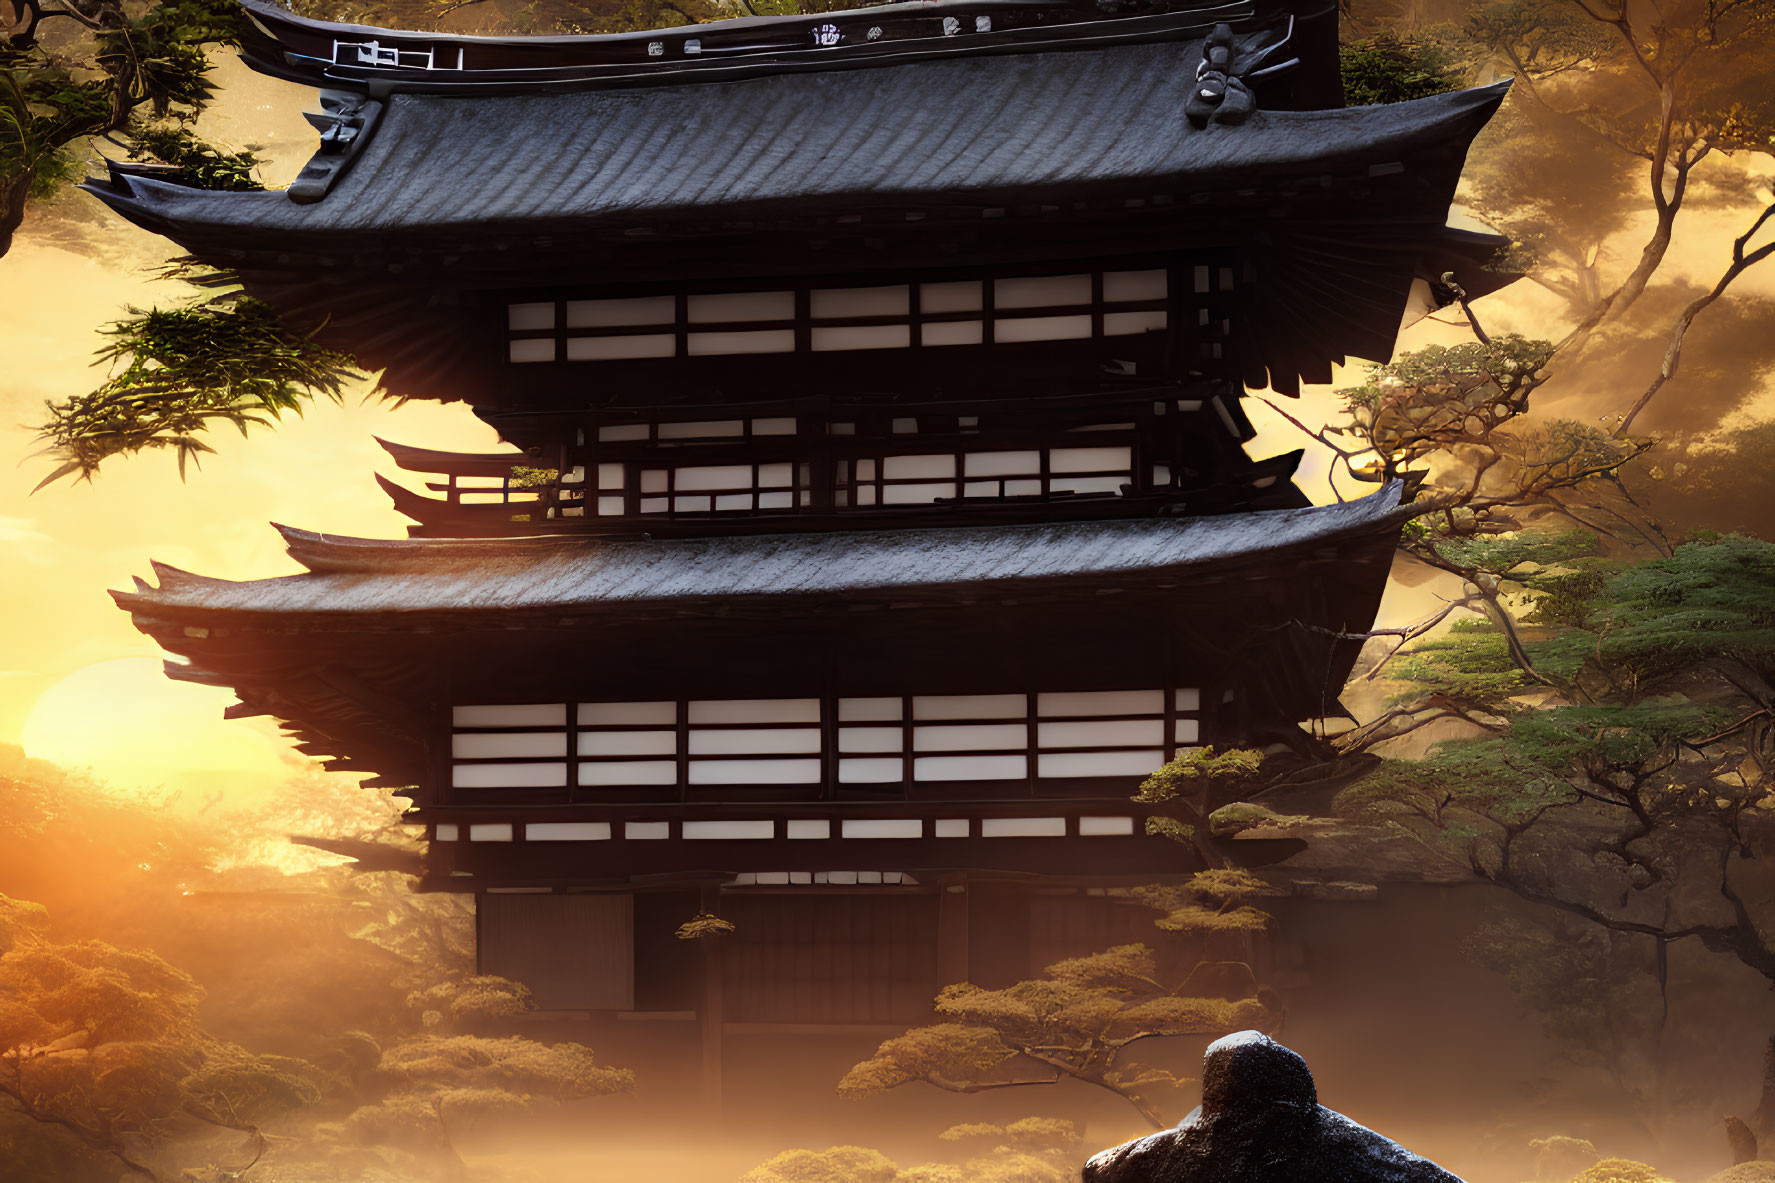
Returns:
(345, 122)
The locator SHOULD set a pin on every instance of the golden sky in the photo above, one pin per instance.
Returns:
(78, 684)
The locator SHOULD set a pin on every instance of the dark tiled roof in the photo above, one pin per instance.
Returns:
(1012, 127)
(353, 576)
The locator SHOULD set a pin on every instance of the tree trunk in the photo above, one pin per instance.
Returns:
(12, 209)
(1762, 1122)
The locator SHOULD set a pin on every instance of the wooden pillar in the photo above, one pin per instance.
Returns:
(713, 1017)
(952, 934)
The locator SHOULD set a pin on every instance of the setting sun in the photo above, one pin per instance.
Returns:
(132, 728)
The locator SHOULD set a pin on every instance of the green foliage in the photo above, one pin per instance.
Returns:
(1502, 554)
(1387, 68)
(229, 360)
(1710, 602)
(1195, 771)
(200, 165)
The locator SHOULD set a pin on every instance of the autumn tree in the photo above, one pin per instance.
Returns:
(1030, 1150)
(1081, 1018)
(104, 1046)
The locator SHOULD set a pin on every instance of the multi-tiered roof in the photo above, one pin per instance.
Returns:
(873, 384)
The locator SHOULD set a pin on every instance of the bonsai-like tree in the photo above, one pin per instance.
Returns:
(1080, 1018)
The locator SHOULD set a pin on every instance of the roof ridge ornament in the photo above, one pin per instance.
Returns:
(1220, 96)
(345, 122)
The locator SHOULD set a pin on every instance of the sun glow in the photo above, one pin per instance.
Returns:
(141, 733)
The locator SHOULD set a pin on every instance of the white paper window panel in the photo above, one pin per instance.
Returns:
(1023, 827)
(1081, 764)
(655, 504)
(1001, 488)
(1087, 484)
(444, 832)
(729, 830)
(635, 310)
(1042, 291)
(947, 332)
(591, 714)
(629, 772)
(522, 317)
(621, 348)
(1041, 328)
(567, 831)
(733, 501)
(754, 772)
(776, 476)
(617, 433)
(647, 831)
(759, 341)
(611, 476)
(918, 467)
(776, 501)
(720, 307)
(1002, 463)
(839, 338)
(1109, 733)
(922, 494)
(866, 495)
(490, 832)
(1201, 279)
(693, 504)
(870, 739)
(951, 827)
(882, 301)
(1101, 702)
(721, 476)
(865, 470)
(961, 296)
(970, 706)
(1135, 285)
(1161, 474)
(551, 714)
(780, 426)
(871, 771)
(1126, 324)
(970, 768)
(532, 349)
(703, 429)
(1188, 730)
(868, 710)
(1099, 827)
(756, 710)
(808, 828)
(653, 480)
(764, 741)
(1189, 699)
(628, 743)
(493, 746)
(970, 737)
(882, 827)
(1090, 459)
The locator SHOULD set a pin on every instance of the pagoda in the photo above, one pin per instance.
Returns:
(875, 514)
